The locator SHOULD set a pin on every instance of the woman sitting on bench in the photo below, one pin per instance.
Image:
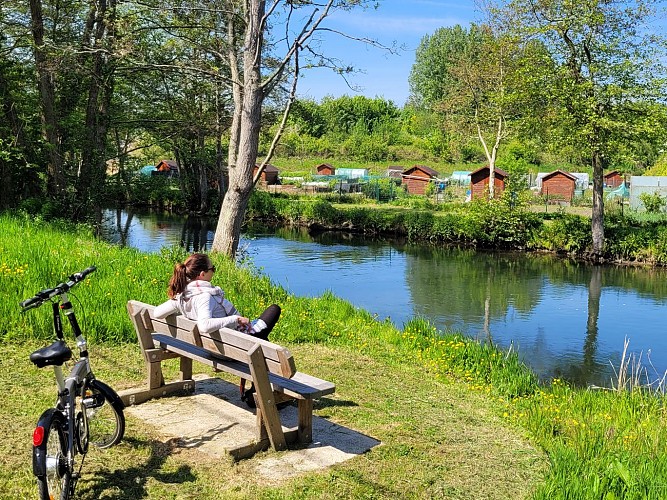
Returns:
(192, 295)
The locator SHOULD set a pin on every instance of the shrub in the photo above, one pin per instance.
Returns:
(260, 206)
(659, 247)
(418, 224)
(321, 211)
(568, 233)
(653, 202)
(500, 224)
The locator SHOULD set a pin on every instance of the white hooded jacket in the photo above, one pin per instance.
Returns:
(204, 303)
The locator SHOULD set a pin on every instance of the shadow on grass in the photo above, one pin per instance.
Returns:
(130, 483)
(330, 403)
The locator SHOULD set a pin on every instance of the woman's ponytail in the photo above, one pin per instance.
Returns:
(178, 281)
(186, 272)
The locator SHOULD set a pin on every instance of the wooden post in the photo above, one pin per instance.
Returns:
(143, 325)
(305, 425)
(265, 398)
(186, 368)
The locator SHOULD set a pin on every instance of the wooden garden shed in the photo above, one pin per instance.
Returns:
(269, 174)
(325, 169)
(613, 179)
(479, 182)
(168, 168)
(395, 171)
(559, 185)
(417, 177)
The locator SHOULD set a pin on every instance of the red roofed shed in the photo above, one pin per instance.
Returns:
(559, 185)
(325, 169)
(479, 182)
(269, 174)
(168, 168)
(613, 179)
(417, 177)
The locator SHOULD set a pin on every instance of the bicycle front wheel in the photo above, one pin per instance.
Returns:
(106, 420)
(54, 478)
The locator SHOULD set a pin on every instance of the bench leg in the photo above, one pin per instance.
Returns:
(186, 368)
(261, 433)
(305, 425)
(266, 403)
(155, 378)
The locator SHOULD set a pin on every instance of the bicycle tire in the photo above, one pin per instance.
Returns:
(106, 420)
(54, 478)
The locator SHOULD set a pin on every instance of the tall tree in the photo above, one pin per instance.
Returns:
(74, 53)
(606, 69)
(98, 56)
(430, 77)
(298, 23)
(479, 96)
(46, 65)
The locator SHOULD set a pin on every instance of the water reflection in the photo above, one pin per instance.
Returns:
(566, 319)
(151, 230)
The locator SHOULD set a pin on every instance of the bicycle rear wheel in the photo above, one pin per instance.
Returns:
(49, 457)
(106, 420)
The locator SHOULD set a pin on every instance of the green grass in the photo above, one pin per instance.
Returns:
(457, 419)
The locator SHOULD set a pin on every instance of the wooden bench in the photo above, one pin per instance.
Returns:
(269, 366)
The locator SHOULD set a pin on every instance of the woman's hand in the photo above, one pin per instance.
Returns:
(243, 323)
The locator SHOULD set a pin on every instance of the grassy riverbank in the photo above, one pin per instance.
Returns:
(498, 224)
(456, 419)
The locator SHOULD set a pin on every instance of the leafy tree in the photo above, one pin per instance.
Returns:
(347, 114)
(660, 166)
(73, 48)
(605, 72)
(308, 116)
(469, 75)
(431, 77)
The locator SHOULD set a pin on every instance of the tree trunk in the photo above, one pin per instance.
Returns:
(493, 153)
(46, 84)
(228, 232)
(597, 218)
(100, 91)
(202, 176)
(237, 93)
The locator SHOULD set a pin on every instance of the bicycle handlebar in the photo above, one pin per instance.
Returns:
(43, 295)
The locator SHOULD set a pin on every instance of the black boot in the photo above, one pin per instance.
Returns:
(248, 396)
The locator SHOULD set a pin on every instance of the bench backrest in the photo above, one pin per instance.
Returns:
(224, 342)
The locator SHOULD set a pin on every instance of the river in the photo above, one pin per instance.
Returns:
(566, 319)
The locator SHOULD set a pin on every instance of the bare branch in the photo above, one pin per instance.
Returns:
(300, 41)
(281, 128)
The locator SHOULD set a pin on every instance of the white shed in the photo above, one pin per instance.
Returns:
(352, 173)
(646, 184)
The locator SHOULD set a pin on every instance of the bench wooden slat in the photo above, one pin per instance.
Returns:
(232, 352)
(300, 386)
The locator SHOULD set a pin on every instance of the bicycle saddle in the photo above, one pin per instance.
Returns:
(54, 354)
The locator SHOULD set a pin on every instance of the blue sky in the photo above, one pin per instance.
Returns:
(383, 75)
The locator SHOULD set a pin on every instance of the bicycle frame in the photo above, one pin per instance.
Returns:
(81, 343)
(82, 400)
(68, 389)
